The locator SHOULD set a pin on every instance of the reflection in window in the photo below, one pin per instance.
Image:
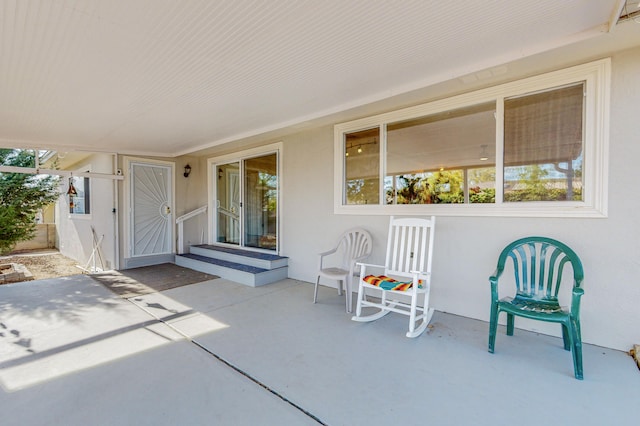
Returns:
(79, 195)
(482, 185)
(261, 201)
(444, 158)
(362, 167)
(543, 145)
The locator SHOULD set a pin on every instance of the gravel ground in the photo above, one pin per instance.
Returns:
(44, 263)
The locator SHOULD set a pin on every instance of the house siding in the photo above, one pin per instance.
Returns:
(467, 247)
(75, 238)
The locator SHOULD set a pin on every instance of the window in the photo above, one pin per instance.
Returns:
(535, 147)
(430, 159)
(543, 145)
(362, 167)
(79, 195)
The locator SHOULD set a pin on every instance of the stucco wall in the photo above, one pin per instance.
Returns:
(191, 193)
(467, 248)
(75, 238)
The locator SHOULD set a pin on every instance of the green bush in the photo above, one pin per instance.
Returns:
(21, 196)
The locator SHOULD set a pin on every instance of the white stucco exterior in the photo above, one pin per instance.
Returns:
(466, 247)
(75, 238)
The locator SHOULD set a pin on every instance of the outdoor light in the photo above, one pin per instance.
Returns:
(187, 170)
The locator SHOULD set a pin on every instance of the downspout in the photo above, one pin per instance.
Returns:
(116, 214)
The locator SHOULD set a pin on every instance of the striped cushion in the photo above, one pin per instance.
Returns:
(386, 283)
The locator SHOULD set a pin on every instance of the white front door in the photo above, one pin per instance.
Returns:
(151, 216)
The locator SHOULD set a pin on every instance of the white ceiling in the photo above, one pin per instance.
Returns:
(169, 77)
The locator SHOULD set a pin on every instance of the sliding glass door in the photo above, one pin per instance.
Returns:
(246, 194)
(228, 203)
(261, 202)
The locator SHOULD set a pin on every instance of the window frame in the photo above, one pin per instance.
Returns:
(597, 77)
(87, 182)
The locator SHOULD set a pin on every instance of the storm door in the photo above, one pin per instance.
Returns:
(151, 216)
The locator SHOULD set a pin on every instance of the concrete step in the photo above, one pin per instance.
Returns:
(237, 272)
(244, 257)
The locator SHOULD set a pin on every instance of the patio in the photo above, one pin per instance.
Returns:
(216, 352)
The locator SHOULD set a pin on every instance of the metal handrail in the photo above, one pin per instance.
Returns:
(180, 221)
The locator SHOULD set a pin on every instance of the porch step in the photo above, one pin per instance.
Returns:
(236, 265)
(244, 257)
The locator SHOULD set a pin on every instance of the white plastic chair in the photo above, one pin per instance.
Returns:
(406, 276)
(355, 245)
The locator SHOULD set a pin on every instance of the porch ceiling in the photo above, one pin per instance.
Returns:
(162, 77)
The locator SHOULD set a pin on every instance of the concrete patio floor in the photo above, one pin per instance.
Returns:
(219, 353)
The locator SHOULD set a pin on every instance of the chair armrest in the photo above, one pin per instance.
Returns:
(493, 280)
(496, 274)
(369, 265)
(421, 274)
(417, 275)
(328, 252)
(364, 266)
(322, 255)
(575, 301)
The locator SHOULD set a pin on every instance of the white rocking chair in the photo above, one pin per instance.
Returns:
(356, 245)
(406, 276)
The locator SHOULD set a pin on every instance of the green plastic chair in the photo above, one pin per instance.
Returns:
(538, 265)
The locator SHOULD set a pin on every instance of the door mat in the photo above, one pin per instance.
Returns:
(149, 279)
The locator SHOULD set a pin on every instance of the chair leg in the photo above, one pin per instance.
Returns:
(349, 295)
(424, 317)
(566, 338)
(428, 311)
(510, 320)
(576, 349)
(412, 316)
(339, 287)
(359, 302)
(493, 327)
(315, 291)
(382, 311)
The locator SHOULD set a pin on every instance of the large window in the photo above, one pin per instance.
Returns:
(535, 147)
